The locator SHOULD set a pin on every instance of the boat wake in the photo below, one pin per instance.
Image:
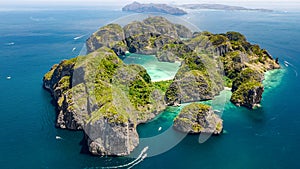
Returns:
(78, 37)
(287, 64)
(140, 160)
(133, 163)
(41, 19)
(58, 138)
(9, 44)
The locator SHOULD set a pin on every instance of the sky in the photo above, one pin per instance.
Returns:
(269, 4)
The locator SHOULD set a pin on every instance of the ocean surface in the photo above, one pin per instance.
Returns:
(31, 41)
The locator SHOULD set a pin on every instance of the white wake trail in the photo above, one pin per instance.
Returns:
(137, 160)
(288, 63)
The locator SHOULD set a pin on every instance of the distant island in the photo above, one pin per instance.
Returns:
(107, 99)
(180, 9)
(151, 7)
(221, 7)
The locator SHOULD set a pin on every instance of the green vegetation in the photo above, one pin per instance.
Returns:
(197, 118)
(139, 93)
(194, 109)
(242, 93)
(236, 36)
(232, 64)
(69, 62)
(194, 62)
(199, 106)
(118, 90)
(49, 74)
(227, 81)
(64, 83)
(218, 40)
(111, 36)
(245, 76)
(162, 85)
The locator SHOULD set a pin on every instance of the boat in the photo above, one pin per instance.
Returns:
(10, 43)
(127, 53)
(73, 49)
(217, 111)
(78, 37)
(286, 63)
(58, 138)
(159, 129)
(8, 77)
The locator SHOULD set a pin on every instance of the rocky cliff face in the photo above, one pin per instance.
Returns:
(106, 138)
(240, 61)
(193, 84)
(111, 36)
(157, 25)
(105, 98)
(248, 94)
(198, 118)
(150, 36)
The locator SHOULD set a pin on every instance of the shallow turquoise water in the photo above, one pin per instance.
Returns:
(158, 71)
(264, 138)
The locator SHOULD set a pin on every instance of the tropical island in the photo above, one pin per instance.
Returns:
(107, 99)
(222, 7)
(152, 7)
(182, 9)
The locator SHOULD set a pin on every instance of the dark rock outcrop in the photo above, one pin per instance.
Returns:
(248, 94)
(198, 118)
(144, 8)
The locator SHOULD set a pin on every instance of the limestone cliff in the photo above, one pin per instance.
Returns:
(111, 36)
(198, 118)
(154, 35)
(211, 56)
(106, 98)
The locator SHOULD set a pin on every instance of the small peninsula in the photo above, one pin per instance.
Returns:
(152, 7)
(107, 99)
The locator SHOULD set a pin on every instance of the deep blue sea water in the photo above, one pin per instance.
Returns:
(266, 138)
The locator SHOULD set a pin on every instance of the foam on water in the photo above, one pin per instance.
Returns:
(273, 78)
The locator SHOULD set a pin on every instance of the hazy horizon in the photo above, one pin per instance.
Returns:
(268, 4)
